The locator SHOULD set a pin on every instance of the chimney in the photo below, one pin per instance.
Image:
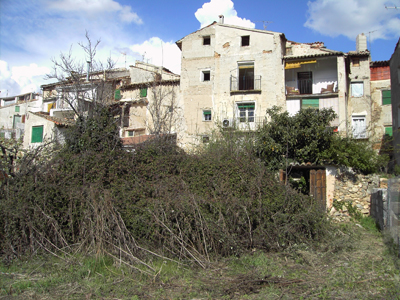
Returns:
(221, 19)
(361, 42)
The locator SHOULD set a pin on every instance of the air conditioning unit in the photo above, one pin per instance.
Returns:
(226, 123)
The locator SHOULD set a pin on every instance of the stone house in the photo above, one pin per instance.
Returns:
(41, 128)
(230, 75)
(13, 112)
(126, 89)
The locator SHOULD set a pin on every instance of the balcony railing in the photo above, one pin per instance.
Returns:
(246, 83)
(305, 86)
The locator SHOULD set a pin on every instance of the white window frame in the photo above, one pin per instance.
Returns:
(205, 118)
(240, 114)
(359, 126)
(355, 89)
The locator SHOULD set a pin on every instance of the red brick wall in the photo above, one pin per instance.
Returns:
(380, 73)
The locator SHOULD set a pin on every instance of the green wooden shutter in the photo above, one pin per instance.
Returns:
(251, 106)
(310, 103)
(17, 108)
(386, 97)
(117, 95)
(143, 92)
(37, 134)
(389, 131)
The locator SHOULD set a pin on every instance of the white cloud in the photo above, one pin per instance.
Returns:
(21, 79)
(158, 52)
(95, 7)
(210, 12)
(352, 17)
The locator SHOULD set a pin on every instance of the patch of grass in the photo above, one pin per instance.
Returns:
(366, 270)
(370, 224)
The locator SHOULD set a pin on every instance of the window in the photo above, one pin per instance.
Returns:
(117, 95)
(205, 75)
(386, 97)
(357, 89)
(206, 139)
(17, 119)
(356, 62)
(206, 115)
(130, 133)
(245, 40)
(143, 92)
(359, 127)
(246, 76)
(246, 112)
(206, 40)
(304, 82)
(37, 134)
(16, 108)
(310, 103)
(389, 130)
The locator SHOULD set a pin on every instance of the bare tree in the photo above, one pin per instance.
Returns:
(82, 85)
(163, 108)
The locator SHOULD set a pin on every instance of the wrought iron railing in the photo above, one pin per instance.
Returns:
(305, 86)
(245, 83)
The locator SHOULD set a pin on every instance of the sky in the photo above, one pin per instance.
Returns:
(33, 32)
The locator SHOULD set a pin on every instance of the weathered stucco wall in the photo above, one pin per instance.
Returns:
(360, 105)
(221, 59)
(381, 115)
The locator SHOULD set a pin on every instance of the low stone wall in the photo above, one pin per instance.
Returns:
(354, 189)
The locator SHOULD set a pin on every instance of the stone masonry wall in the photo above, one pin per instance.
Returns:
(355, 189)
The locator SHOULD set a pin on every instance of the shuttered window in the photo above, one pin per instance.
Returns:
(389, 131)
(386, 97)
(117, 95)
(17, 108)
(37, 134)
(143, 92)
(310, 103)
(206, 115)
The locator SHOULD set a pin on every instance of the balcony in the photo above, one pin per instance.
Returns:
(245, 84)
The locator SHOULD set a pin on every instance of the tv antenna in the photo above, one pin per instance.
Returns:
(265, 24)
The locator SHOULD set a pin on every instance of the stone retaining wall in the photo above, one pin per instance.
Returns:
(354, 189)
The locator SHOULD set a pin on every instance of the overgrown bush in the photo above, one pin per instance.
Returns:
(354, 153)
(308, 138)
(220, 201)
